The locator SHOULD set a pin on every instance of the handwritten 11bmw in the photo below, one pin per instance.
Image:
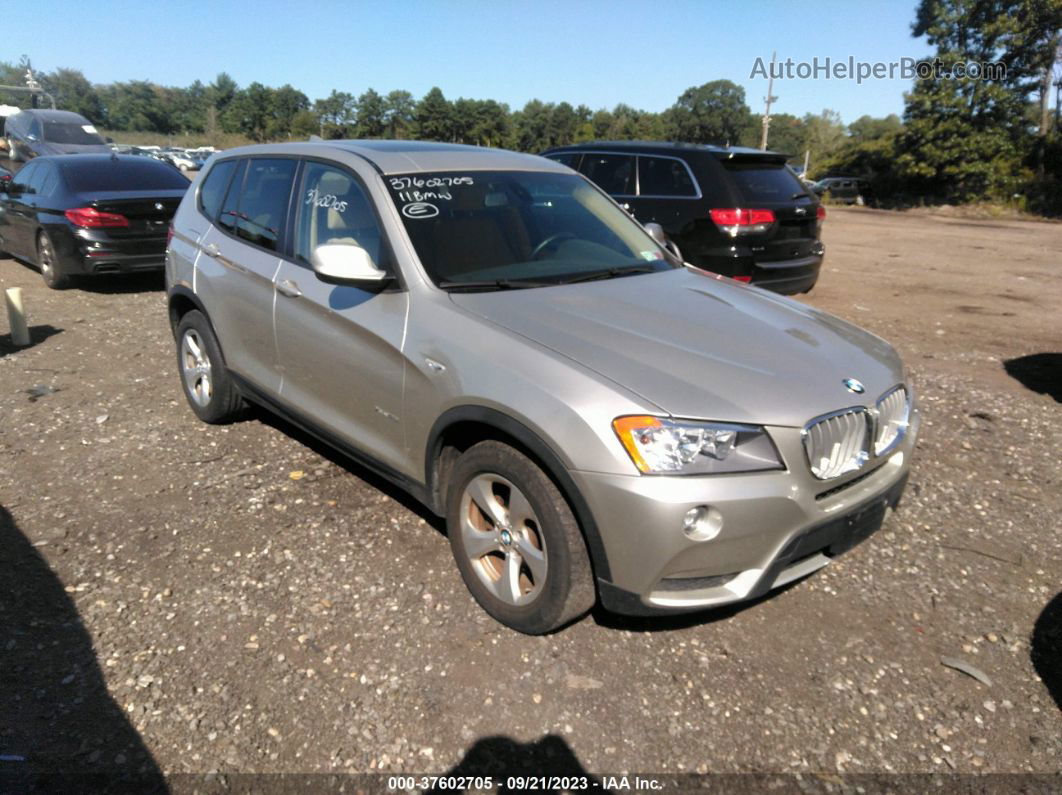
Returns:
(595, 420)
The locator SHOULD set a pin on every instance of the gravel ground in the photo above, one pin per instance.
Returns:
(178, 597)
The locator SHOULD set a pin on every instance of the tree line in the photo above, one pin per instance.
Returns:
(958, 140)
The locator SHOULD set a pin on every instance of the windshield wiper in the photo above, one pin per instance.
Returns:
(608, 273)
(493, 284)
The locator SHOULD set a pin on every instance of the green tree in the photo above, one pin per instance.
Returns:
(965, 138)
(371, 116)
(285, 104)
(72, 91)
(399, 107)
(712, 113)
(250, 112)
(337, 113)
(433, 117)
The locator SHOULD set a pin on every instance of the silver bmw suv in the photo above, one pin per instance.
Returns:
(595, 420)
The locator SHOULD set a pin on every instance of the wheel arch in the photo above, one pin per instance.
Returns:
(463, 426)
(180, 302)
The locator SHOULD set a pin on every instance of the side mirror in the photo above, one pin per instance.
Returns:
(657, 233)
(345, 263)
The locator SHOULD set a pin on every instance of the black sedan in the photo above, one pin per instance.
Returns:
(74, 215)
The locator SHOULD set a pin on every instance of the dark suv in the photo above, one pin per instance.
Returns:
(32, 133)
(735, 211)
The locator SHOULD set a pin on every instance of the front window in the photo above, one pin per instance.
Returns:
(335, 209)
(61, 132)
(502, 229)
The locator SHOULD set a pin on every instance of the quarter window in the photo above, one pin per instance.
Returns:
(47, 180)
(213, 190)
(335, 209)
(614, 174)
(664, 176)
(24, 179)
(230, 208)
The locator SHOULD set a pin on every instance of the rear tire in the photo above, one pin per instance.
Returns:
(205, 380)
(48, 264)
(516, 542)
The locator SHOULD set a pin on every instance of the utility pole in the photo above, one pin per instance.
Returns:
(768, 100)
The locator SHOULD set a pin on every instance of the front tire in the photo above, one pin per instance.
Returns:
(205, 380)
(48, 264)
(516, 542)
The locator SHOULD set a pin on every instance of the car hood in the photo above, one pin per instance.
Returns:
(700, 346)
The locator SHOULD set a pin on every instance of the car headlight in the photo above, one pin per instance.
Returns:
(661, 445)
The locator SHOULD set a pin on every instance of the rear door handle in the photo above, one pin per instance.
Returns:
(212, 250)
(289, 288)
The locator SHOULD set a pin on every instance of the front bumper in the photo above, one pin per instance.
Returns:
(777, 527)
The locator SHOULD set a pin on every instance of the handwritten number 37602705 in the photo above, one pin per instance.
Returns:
(328, 200)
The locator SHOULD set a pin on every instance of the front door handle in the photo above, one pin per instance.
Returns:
(211, 249)
(289, 288)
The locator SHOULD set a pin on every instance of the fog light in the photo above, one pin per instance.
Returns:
(702, 523)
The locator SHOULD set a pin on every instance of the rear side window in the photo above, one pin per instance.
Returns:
(262, 202)
(214, 186)
(664, 176)
(614, 174)
(764, 182)
(335, 209)
(106, 173)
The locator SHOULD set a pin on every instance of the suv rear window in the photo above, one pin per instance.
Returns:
(106, 174)
(760, 181)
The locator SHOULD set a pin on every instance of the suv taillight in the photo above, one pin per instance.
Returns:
(169, 235)
(735, 221)
(820, 213)
(92, 218)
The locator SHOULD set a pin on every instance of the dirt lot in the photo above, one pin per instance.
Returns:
(187, 598)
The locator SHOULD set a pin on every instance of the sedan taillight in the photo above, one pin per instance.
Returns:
(92, 218)
(736, 221)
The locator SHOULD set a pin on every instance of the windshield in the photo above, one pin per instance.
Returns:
(500, 229)
(62, 132)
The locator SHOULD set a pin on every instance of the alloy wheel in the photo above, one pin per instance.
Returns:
(501, 535)
(195, 368)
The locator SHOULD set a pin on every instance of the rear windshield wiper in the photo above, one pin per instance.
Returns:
(493, 284)
(608, 273)
(798, 195)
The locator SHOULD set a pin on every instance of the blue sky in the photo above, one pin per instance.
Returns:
(593, 52)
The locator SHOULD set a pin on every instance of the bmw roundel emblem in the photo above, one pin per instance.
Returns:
(853, 385)
(158, 205)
